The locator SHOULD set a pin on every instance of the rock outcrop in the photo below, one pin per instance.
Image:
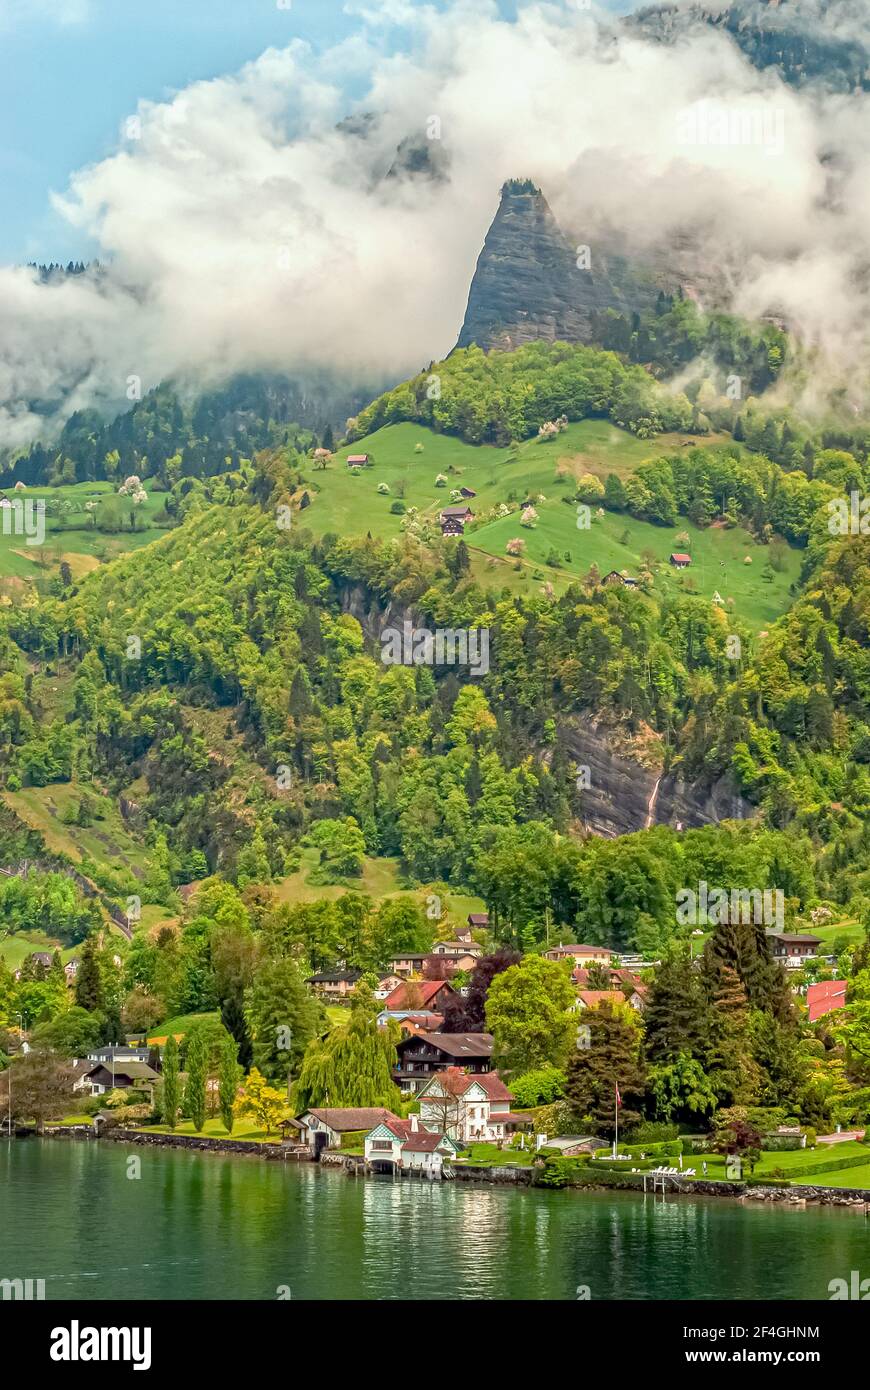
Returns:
(532, 281)
(626, 795)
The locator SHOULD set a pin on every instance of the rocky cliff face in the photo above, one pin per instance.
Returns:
(623, 794)
(534, 281)
(805, 41)
(528, 285)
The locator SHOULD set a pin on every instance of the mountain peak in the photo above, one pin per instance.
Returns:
(531, 282)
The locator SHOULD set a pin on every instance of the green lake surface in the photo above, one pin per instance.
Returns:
(198, 1226)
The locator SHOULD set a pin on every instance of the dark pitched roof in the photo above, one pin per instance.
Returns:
(460, 1045)
(334, 977)
(135, 1071)
(459, 509)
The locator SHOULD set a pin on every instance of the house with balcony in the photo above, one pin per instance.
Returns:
(470, 1109)
(580, 955)
(793, 949)
(334, 984)
(420, 1056)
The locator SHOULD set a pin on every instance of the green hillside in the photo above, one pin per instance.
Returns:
(408, 458)
(72, 535)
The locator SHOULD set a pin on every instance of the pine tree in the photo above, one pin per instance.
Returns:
(228, 1083)
(170, 1082)
(89, 980)
(197, 1076)
(300, 703)
(611, 1060)
(253, 862)
(282, 1018)
(233, 1019)
(676, 1017)
(729, 1062)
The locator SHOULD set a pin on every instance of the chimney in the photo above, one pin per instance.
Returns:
(414, 1124)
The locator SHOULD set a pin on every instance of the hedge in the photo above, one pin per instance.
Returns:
(664, 1148)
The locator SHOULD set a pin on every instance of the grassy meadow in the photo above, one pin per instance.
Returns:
(346, 501)
(73, 537)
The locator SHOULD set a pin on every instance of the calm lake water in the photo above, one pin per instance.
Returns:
(204, 1227)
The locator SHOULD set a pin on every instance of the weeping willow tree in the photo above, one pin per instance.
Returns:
(353, 1064)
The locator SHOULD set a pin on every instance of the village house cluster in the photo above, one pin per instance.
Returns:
(459, 1098)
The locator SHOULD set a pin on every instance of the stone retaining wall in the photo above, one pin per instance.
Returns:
(804, 1192)
(796, 1194)
(200, 1144)
(520, 1177)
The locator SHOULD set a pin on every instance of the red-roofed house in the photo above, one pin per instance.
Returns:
(591, 998)
(357, 460)
(425, 995)
(824, 997)
(680, 560)
(624, 977)
(405, 1144)
(471, 1109)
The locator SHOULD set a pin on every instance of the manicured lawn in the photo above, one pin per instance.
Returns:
(787, 1160)
(244, 1129)
(179, 1025)
(491, 1156)
(844, 1177)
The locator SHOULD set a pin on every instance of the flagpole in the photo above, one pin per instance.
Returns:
(616, 1118)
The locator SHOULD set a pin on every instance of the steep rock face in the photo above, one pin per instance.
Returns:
(528, 286)
(624, 796)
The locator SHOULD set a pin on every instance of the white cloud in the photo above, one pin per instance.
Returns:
(245, 229)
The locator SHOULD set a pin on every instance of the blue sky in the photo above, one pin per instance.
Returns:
(72, 70)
